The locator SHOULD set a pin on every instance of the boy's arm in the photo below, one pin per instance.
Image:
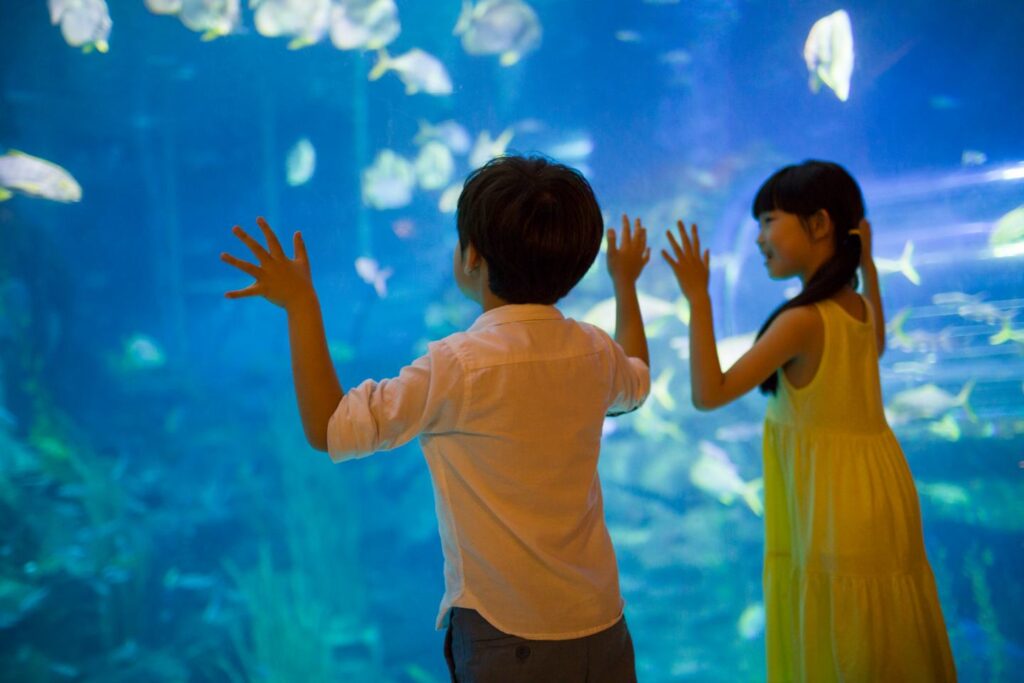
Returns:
(625, 263)
(287, 283)
(871, 289)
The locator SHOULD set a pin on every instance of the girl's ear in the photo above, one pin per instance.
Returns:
(821, 225)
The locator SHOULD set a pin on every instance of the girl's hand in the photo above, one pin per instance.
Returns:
(692, 270)
(279, 279)
(627, 260)
(865, 241)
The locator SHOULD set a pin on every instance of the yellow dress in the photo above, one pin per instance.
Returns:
(849, 593)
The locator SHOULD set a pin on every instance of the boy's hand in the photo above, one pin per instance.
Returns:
(279, 279)
(690, 267)
(627, 260)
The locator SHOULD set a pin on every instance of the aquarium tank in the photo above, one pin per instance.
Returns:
(162, 517)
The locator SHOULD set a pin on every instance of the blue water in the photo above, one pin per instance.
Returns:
(161, 518)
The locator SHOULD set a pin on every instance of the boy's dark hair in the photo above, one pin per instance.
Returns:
(535, 222)
(803, 190)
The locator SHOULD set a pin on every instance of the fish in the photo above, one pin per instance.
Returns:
(828, 53)
(509, 28)
(927, 402)
(888, 266)
(654, 427)
(36, 177)
(301, 163)
(947, 428)
(142, 352)
(1007, 333)
(163, 6)
(372, 274)
(917, 340)
(750, 625)
(660, 389)
(17, 600)
(731, 349)
(971, 307)
(434, 166)
(212, 18)
(715, 474)
(944, 493)
(972, 157)
(1007, 236)
(174, 579)
(628, 36)
(652, 309)
(449, 133)
(449, 200)
(83, 23)
(486, 148)
(388, 183)
(364, 24)
(420, 71)
(740, 431)
(305, 21)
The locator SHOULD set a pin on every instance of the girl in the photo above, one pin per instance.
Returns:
(849, 594)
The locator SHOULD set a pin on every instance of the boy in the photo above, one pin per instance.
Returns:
(509, 416)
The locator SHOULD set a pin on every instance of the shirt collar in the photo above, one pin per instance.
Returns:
(515, 313)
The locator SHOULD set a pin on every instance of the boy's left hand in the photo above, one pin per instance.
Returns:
(691, 268)
(279, 279)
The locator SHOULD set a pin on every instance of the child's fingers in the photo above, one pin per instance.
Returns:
(696, 238)
(272, 243)
(675, 245)
(244, 266)
(627, 235)
(251, 290)
(671, 262)
(611, 240)
(253, 245)
(647, 255)
(300, 247)
(707, 259)
(687, 247)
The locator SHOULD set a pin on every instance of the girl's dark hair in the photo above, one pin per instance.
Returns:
(536, 223)
(805, 189)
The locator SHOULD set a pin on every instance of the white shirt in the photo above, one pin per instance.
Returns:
(509, 415)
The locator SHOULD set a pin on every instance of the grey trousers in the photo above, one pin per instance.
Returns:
(477, 652)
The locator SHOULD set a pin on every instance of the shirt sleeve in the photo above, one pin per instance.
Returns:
(631, 381)
(378, 416)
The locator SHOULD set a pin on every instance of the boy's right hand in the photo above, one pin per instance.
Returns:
(626, 259)
(280, 280)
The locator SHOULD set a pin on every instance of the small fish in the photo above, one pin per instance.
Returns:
(305, 21)
(142, 353)
(404, 228)
(887, 266)
(947, 428)
(653, 427)
(678, 57)
(36, 177)
(17, 600)
(628, 36)
(301, 163)
(1007, 333)
(449, 200)
(918, 341)
(212, 18)
(83, 23)
(418, 70)
(660, 389)
(828, 53)
(714, 473)
(509, 28)
(372, 274)
(388, 183)
(927, 402)
(571, 150)
(175, 579)
(1007, 236)
(450, 133)
(972, 157)
(731, 349)
(944, 493)
(434, 166)
(364, 24)
(163, 6)
(750, 625)
(486, 148)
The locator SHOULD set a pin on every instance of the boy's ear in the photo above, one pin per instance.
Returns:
(471, 259)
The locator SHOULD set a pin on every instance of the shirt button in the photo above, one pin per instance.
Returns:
(522, 652)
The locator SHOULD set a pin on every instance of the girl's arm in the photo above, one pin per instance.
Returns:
(786, 338)
(871, 289)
